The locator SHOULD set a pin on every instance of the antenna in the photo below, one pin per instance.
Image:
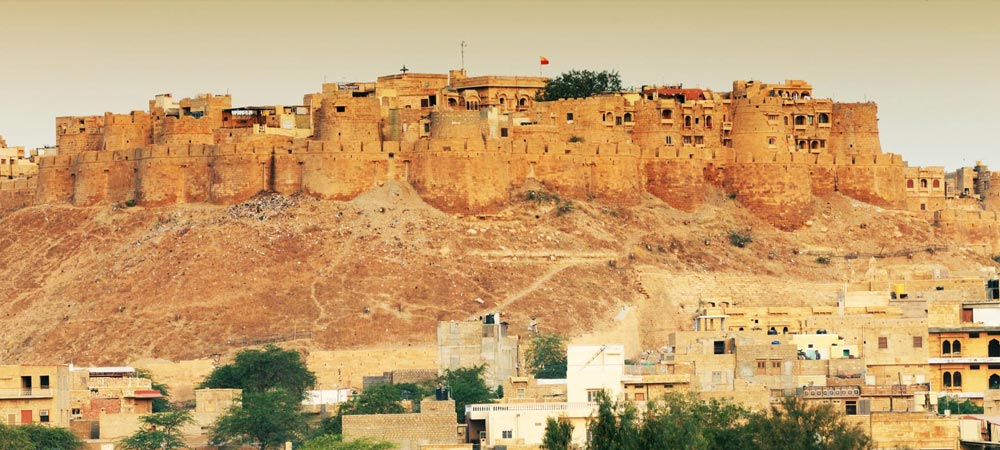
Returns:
(463, 54)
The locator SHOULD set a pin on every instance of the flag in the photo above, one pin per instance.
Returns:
(543, 60)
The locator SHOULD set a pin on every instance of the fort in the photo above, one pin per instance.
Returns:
(468, 144)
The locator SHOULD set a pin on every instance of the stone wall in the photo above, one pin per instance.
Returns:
(435, 424)
(17, 194)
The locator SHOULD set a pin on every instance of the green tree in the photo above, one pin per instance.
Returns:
(558, 434)
(159, 431)
(14, 438)
(580, 84)
(52, 438)
(952, 404)
(804, 426)
(334, 442)
(616, 426)
(159, 404)
(686, 422)
(260, 370)
(264, 419)
(467, 387)
(547, 356)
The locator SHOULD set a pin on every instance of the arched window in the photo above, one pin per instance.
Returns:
(802, 145)
(503, 100)
(522, 102)
(805, 95)
(687, 121)
(824, 118)
(608, 117)
(815, 145)
(452, 103)
(628, 117)
(795, 95)
(923, 183)
(946, 381)
(994, 381)
(945, 348)
(708, 121)
(994, 348)
(800, 120)
(937, 183)
(956, 347)
(784, 330)
(956, 379)
(667, 114)
(909, 185)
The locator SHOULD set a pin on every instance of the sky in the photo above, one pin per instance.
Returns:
(930, 65)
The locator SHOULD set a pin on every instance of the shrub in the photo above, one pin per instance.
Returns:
(564, 208)
(732, 196)
(739, 239)
(541, 196)
(130, 202)
(823, 260)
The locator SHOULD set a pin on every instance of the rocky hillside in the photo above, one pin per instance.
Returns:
(108, 284)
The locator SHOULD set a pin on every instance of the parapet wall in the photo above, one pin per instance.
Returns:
(17, 194)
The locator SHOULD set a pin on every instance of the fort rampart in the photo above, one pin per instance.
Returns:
(466, 176)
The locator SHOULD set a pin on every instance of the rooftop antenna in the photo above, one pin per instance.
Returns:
(404, 69)
(463, 55)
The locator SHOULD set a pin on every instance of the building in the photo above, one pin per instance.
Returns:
(484, 342)
(434, 424)
(35, 394)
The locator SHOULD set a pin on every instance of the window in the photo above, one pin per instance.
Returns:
(851, 407)
(972, 335)
(628, 117)
(341, 109)
(809, 120)
(667, 114)
(43, 382)
(687, 140)
(43, 416)
(993, 349)
(824, 118)
(918, 341)
(800, 120)
(592, 395)
(699, 140)
(640, 397)
(521, 392)
(508, 434)
(937, 183)
(883, 342)
(909, 184)
(945, 348)
(670, 140)
(719, 347)
(974, 367)
(772, 141)
(956, 379)
(522, 101)
(618, 120)
(775, 364)
(761, 367)
(687, 121)
(503, 132)
(569, 117)
(923, 183)
(956, 347)
(772, 117)
(946, 379)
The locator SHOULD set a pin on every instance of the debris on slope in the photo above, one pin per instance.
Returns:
(262, 206)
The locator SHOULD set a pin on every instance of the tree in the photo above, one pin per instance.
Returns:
(686, 422)
(260, 370)
(159, 431)
(547, 356)
(52, 438)
(159, 404)
(264, 419)
(952, 404)
(615, 427)
(805, 426)
(580, 84)
(14, 438)
(558, 434)
(467, 388)
(334, 442)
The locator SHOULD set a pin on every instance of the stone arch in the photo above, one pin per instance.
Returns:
(946, 380)
(923, 182)
(802, 145)
(994, 348)
(824, 118)
(609, 117)
(994, 381)
(956, 347)
(708, 121)
(800, 120)
(795, 95)
(936, 184)
(627, 117)
(945, 348)
(814, 145)
(956, 379)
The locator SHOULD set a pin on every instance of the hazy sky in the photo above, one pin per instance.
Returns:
(931, 65)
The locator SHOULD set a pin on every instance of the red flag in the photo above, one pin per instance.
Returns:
(543, 60)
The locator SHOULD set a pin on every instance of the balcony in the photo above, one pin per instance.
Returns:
(727, 126)
(25, 393)
(666, 121)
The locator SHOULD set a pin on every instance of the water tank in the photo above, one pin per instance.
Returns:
(441, 394)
